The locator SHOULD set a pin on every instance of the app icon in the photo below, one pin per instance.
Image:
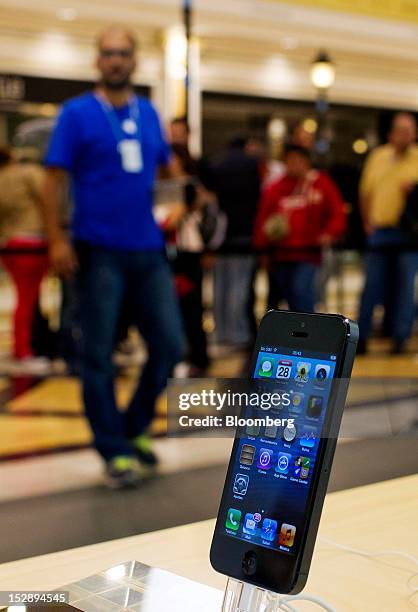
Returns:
(308, 437)
(269, 529)
(322, 371)
(303, 369)
(283, 463)
(289, 433)
(233, 519)
(284, 369)
(241, 484)
(265, 458)
(271, 431)
(301, 467)
(266, 367)
(296, 401)
(315, 404)
(250, 525)
(287, 535)
(253, 430)
(247, 454)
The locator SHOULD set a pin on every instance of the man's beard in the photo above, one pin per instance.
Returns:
(117, 85)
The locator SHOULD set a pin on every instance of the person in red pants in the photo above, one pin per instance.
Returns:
(22, 245)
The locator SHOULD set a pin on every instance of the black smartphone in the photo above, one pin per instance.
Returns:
(278, 475)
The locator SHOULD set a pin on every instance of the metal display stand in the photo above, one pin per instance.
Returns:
(242, 597)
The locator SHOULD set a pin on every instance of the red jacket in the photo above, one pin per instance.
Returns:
(313, 207)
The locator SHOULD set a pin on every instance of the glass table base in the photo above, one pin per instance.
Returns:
(136, 587)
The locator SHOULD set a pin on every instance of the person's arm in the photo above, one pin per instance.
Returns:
(168, 169)
(61, 254)
(63, 151)
(171, 171)
(266, 207)
(364, 205)
(365, 194)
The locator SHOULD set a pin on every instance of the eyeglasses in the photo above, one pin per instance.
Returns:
(123, 53)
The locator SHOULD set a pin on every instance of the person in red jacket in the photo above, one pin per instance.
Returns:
(298, 215)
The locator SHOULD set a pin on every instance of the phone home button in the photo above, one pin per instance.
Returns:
(249, 563)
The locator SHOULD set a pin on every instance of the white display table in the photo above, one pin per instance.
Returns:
(376, 517)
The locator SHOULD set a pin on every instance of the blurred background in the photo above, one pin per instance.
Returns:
(330, 75)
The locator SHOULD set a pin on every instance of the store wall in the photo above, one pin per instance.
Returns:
(248, 47)
(227, 115)
(25, 98)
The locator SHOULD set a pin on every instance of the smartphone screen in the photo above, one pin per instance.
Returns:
(274, 467)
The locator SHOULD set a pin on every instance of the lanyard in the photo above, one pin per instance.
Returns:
(117, 128)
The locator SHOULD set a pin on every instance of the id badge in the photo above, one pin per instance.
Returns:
(131, 155)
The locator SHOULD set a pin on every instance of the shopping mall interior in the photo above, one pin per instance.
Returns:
(243, 69)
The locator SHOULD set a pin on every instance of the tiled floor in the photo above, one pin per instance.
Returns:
(46, 415)
(66, 519)
(64, 471)
(51, 493)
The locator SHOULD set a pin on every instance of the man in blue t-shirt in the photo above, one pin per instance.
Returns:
(109, 142)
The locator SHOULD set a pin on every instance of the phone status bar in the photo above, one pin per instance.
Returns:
(283, 350)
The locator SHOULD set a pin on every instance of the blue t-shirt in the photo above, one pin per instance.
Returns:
(113, 208)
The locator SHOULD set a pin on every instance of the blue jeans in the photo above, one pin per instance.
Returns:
(406, 310)
(107, 277)
(389, 268)
(296, 281)
(234, 275)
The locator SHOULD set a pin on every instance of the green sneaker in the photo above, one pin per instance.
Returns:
(144, 452)
(123, 473)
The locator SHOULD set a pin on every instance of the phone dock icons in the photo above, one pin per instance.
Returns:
(233, 519)
(269, 529)
(250, 525)
(287, 535)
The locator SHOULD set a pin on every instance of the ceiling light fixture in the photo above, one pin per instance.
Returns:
(360, 146)
(289, 43)
(322, 71)
(67, 13)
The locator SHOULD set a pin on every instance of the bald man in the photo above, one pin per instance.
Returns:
(110, 144)
(389, 173)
